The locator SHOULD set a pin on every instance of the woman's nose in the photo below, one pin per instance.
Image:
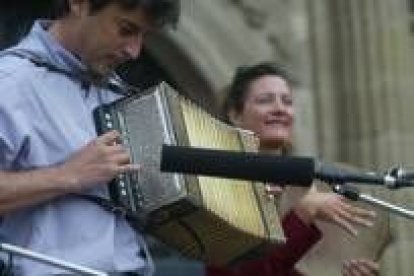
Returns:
(278, 106)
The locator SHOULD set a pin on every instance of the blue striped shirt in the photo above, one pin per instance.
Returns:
(44, 118)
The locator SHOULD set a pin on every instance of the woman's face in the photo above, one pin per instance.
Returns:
(268, 111)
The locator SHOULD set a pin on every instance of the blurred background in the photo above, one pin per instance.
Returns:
(354, 60)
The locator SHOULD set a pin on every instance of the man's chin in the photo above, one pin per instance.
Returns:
(101, 71)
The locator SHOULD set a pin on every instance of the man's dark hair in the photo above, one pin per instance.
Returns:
(242, 79)
(162, 12)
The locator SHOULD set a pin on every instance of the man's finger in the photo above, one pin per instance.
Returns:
(129, 168)
(109, 138)
(122, 158)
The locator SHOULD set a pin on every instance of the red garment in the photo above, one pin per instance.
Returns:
(281, 260)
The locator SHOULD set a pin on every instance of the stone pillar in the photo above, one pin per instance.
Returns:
(398, 256)
(363, 63)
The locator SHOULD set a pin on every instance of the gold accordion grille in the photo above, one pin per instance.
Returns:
(232, 218)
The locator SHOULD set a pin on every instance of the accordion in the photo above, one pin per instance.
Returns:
(211, 219)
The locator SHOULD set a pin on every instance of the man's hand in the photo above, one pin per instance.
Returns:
(98, 162)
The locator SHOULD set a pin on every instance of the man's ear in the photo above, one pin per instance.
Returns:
(235, 118)
(79, 7)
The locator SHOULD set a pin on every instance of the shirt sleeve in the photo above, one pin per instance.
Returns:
(280, 260)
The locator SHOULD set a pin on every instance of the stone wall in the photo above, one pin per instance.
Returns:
(354, 62)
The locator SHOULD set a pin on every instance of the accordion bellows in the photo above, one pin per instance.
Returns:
(211, 219)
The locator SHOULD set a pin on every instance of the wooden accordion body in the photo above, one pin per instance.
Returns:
(211, 219)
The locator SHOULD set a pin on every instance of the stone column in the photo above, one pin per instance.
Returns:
(363, 59)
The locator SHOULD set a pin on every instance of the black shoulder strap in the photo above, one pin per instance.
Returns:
(115, 84)
(40, 62)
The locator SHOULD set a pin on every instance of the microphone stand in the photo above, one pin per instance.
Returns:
(399, 172)
(353, 193)
(12, 249)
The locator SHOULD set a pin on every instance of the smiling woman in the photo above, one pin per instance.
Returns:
(267, 111)
(260, 100)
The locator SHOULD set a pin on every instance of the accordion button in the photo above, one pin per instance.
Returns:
(109, 125)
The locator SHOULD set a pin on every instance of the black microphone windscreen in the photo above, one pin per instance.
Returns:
(298, 171)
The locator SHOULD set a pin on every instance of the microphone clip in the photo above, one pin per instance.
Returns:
(353, 193)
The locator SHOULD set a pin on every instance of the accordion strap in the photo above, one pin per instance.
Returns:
(115, 83)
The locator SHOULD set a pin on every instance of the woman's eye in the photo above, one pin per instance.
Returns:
(287, 100)
(264, 100)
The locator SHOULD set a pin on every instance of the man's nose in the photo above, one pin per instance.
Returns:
(133, 47)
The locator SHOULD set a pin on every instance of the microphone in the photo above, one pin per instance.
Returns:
(240, 165)
(265, 167)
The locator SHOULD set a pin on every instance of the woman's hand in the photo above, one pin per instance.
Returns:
(332, 208)
(360, 267)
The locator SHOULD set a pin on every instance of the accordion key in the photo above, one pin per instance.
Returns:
(212, 219)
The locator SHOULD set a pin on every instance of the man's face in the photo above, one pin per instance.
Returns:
(109, 37)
